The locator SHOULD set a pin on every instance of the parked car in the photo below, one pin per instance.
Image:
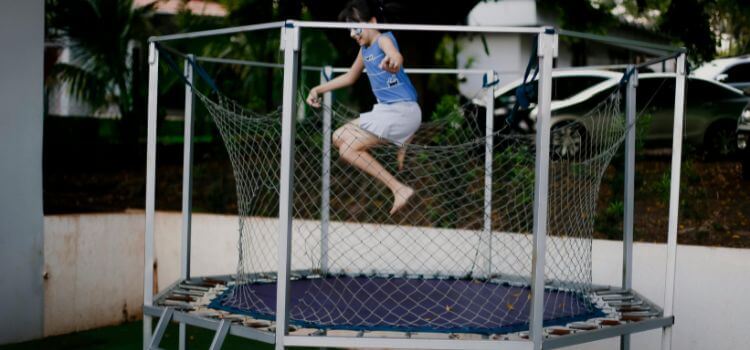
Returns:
(710, 115)
(743, 137)
(734, 71)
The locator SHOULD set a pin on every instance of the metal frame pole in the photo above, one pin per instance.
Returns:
(674, 198)
(290, 45)
(629, 200)
(187, 185)
(489, 130)
(547, 51)
(148, 268)
(325, 215)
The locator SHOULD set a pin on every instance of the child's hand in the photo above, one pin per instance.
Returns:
(313, 99)
(390, 64)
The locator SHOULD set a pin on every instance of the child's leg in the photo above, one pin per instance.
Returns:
(353, 143)
(401, 154)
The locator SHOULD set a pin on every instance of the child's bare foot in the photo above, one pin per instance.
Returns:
(401, 197)
(400, 156)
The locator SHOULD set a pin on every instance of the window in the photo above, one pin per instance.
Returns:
(562, 88)
(699, 92)
(738, 73)
(656, 92)
(566, 87)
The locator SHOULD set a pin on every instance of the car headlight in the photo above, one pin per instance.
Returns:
(746, 116)
(742, 141)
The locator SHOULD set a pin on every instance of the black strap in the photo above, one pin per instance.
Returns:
(176, 68)
(525, 92)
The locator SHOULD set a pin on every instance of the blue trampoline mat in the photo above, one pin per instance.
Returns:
(406, 304)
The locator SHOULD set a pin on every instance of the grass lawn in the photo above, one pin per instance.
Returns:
(128, 336)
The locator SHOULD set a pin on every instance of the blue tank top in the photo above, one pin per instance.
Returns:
(388, 87)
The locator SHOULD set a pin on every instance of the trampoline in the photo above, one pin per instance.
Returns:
(494, 249)
(411, 305)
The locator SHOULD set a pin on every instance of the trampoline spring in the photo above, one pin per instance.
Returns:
(214, 282)
(584, 326)
(607, 291)
(185, 298)
(633, 308)
(187, 292)
(626, 303)
(194, 287)
(613, 297)
(178, 304)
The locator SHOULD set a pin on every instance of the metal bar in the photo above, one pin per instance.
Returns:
(627, 235)
(326, 171)
(161, 327)
(608, 332)
(418, 27)
(339, 69)
(221, 333)
(148, 273)
(674, 198)
(187, 172)
(547, 52)
(290, 45)
(215, 32)
(613, 40)
(404, 343)
(489, 131)
(187, 186)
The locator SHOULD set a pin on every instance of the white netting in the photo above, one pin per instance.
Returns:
(433, 265)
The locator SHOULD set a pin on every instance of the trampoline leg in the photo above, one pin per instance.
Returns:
(183, 337)
(221, 333)
(161, 327)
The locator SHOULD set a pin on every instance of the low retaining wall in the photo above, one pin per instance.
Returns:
(94, 269)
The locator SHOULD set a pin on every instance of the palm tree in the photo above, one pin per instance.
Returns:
(105, 38)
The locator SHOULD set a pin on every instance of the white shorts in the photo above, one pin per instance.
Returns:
(395, 122)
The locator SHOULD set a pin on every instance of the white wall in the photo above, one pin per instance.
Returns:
(21, 217)
(88, 254)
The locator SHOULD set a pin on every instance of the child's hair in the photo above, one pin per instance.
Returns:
(363, 10)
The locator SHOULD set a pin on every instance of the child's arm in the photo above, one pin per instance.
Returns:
(343, 80)
(393, 59)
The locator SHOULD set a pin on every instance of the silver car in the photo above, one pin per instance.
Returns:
(711, 112)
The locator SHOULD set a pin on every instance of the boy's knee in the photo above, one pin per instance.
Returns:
(338, 137)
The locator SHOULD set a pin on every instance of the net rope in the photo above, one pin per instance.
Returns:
(434, 265)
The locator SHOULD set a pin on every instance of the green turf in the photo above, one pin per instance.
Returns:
(128, 336)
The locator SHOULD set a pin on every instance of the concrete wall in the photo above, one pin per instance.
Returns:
(93, 255)
(21, 217)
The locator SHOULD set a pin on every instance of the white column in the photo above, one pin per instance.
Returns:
(148, 268)
(187, 186)
(547, 51)
(290, 45)
(629, 200)
(489, 130)
(325, 207)
(674, 198)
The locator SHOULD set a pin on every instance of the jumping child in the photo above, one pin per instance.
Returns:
(396, 116)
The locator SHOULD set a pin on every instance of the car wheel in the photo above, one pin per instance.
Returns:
(568, 140)
(720, 140)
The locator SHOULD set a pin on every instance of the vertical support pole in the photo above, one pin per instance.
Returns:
(290, 45)
(488, 152)
(325, 215)
(187, 186)
(547, 52)
(629, 200)
(674, 198)
(148, 272)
